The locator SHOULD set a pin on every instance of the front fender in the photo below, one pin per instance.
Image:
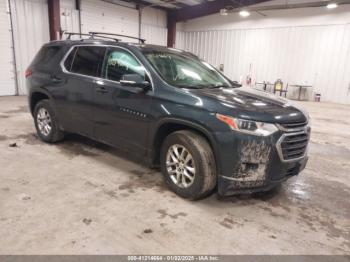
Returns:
(193, 126)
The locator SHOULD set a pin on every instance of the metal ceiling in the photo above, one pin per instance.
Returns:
(169, 4)
(174, 4)
(191, 7)
(180, 5)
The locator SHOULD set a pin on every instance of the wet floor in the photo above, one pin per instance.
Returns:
(83, 197)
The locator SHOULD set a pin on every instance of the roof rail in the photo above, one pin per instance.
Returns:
(91, 36)
(142, 40)
(69, 34)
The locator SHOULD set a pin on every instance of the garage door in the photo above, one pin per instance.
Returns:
(69, 16)
(31, 30)
(106, 17)
(7, 80)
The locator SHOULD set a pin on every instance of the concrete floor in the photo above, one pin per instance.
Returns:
(79, 197)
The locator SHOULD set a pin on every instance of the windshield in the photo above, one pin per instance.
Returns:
(185, 71)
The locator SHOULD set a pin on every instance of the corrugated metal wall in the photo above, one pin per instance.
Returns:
(180, 40)
(317, 55)
(7, 82)
(31, 30)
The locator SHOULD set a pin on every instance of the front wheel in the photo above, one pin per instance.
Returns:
(188, 164)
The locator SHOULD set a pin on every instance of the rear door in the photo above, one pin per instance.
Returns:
(121, 113)
(75, 95)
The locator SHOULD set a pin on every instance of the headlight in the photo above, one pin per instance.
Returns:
(247, 126)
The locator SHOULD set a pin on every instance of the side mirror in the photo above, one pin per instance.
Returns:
(135, 80)
(236, 84)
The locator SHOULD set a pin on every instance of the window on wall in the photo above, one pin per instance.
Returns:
(88, 60)
(119, 63)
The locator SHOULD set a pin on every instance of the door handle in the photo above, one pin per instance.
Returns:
(101, 89)
(55, 79)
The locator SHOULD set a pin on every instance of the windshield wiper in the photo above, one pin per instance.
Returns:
(216, 86)
(201, 86)
(193, 86)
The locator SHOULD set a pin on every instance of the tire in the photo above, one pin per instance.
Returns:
(55, 134)
(204, 179)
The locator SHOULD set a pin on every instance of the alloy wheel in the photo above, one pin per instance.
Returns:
(44, 121)
(180, 166)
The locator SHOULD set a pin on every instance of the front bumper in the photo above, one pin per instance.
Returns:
(251, 164)
(231, 186)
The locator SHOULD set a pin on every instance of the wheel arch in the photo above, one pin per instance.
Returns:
(35, 97)
(170, 125)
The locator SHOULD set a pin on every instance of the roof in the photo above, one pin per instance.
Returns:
(109, 42)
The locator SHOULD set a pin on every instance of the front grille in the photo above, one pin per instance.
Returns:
(293, 146)
(294, 125)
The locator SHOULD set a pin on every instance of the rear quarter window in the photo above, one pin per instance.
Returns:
(69, 59)
(46, 55)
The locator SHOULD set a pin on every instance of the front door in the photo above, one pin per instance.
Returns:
(121, 113)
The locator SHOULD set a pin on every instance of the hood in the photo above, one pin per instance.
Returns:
(253, 104)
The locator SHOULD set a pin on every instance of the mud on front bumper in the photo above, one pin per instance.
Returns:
(252, 164)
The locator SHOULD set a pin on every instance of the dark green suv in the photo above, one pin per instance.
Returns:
(171, 109)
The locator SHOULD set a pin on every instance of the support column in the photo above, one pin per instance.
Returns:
(54, 19)
(78, 7)
(139, 9)
(171, 24)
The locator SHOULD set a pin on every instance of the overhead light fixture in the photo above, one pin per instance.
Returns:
(244, 13)
(332, 5)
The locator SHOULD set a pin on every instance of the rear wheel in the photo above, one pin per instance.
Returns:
(46, 123)
(188, 164)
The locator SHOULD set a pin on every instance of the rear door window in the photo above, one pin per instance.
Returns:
(88, 60)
